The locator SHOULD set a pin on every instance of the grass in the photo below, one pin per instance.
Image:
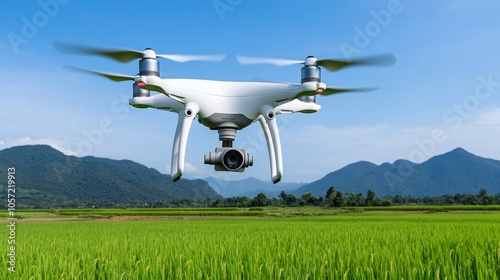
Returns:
(365, 245)
(233, 211)
(163, 212)
(433, 208)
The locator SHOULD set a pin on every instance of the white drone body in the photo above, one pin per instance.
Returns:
(225, 106)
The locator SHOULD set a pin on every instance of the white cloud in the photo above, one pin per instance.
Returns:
(191, 168)
(488, 117)
(479, 134)
(56, 144)
(193, 171)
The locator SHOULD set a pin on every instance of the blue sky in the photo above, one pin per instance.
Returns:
(443, 92)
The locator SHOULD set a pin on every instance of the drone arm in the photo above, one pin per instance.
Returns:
(298, 106)
(184, 122)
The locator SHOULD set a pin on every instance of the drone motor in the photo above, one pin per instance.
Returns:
(139, 92)
(311, 72)
(149, 65)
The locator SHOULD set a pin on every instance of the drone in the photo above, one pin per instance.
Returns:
(225, 106)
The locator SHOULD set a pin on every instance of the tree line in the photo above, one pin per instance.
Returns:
(332, 198)
(336, 198)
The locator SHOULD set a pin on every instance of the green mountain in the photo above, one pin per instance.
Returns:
(457, 171)
(47, 178)
(341, 177)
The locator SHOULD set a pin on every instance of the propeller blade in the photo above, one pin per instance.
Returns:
(246, 60)
(127, 55)
(336, 64)
(329, 64)
(119, 55)
(185, 58)
(112, 76)
(330, 91)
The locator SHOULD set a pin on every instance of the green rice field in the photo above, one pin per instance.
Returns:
(364, 245)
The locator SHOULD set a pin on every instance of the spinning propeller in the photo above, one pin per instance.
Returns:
(329, 64)
(311, 71)
(127, 55)
(148, 65)
(329, 90)
(116, 77)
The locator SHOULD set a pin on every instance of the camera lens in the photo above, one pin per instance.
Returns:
(232, 159)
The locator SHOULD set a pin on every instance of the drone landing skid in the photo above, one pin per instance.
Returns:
(180, 140)
(270, 128)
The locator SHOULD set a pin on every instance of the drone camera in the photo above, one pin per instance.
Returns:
(229, 159)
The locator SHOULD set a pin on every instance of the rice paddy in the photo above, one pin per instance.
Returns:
(346, 246)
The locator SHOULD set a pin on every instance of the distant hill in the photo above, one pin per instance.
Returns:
(250, 187)
(47, 178)
(457, 171)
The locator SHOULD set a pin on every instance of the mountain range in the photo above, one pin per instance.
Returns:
(46, 178)
(457, 171)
